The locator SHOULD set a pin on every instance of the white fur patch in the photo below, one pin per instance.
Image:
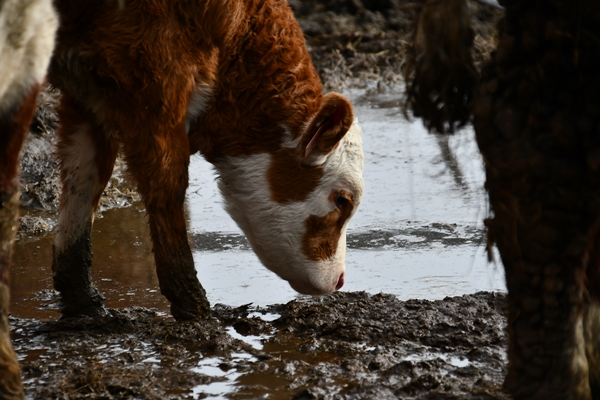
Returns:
(81, 186)
(198, 103)
(27, 29)
(276, 230)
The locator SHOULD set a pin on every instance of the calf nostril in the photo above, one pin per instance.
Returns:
(340, 282)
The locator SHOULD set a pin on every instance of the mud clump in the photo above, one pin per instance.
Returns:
(345, 346)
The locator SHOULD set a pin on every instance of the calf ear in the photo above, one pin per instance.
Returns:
(328, 126)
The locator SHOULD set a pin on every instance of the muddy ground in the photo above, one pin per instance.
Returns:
(346, 346)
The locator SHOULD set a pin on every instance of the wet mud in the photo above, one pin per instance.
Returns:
(345, 346)
(359, 43)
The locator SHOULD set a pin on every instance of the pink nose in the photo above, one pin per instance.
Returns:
(340, 282)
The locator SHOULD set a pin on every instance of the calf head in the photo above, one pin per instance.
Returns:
(294, 204)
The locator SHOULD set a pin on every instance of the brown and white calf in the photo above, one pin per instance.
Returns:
(231, 79)
(26, 41)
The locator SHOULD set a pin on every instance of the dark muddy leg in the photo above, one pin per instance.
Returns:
(592, 344)
(538, 129)
(14, 125)
(87, 158)
(545, 274)
(162, 175)
(592, 314)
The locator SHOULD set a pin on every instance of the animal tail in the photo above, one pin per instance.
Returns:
(440, 74)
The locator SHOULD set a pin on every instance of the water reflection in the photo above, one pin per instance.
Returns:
(123, 267)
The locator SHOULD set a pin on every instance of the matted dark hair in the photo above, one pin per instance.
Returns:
(440, 73)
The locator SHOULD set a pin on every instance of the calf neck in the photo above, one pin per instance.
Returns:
(229, 79)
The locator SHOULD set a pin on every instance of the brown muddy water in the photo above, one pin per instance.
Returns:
(351, 345)
(123, 267)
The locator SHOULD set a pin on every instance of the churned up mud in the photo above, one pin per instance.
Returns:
(344, 346)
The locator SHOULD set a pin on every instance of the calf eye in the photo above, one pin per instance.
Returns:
(340, 201)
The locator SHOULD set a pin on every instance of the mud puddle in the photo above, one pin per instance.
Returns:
(345, 346)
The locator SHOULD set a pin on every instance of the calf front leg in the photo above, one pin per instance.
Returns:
(87, 158)
(14, 124)
(160, 165)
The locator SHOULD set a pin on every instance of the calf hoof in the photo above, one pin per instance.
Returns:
(84, 303)
(73, 279)
(190, 310)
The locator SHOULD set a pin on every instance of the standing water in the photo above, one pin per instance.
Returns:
(418, 233)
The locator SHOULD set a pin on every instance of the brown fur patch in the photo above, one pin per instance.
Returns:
(289, 179)
(252, 55)
(329, 126)
(265, 80)
(14, 125)
(323, 233)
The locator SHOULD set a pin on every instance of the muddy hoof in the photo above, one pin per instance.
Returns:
(191, 311)
(84, 304)
(73, 312)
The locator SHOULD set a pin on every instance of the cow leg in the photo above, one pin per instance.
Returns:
(544, 206)
(592, 314)
(546, 301)
(537, 127)
(160, 163)
(87, 157)
(14, 125)
(592, 344)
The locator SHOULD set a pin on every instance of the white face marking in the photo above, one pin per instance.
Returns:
(276, 230)
(198, 103)
(82, 185)
(26, 42)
